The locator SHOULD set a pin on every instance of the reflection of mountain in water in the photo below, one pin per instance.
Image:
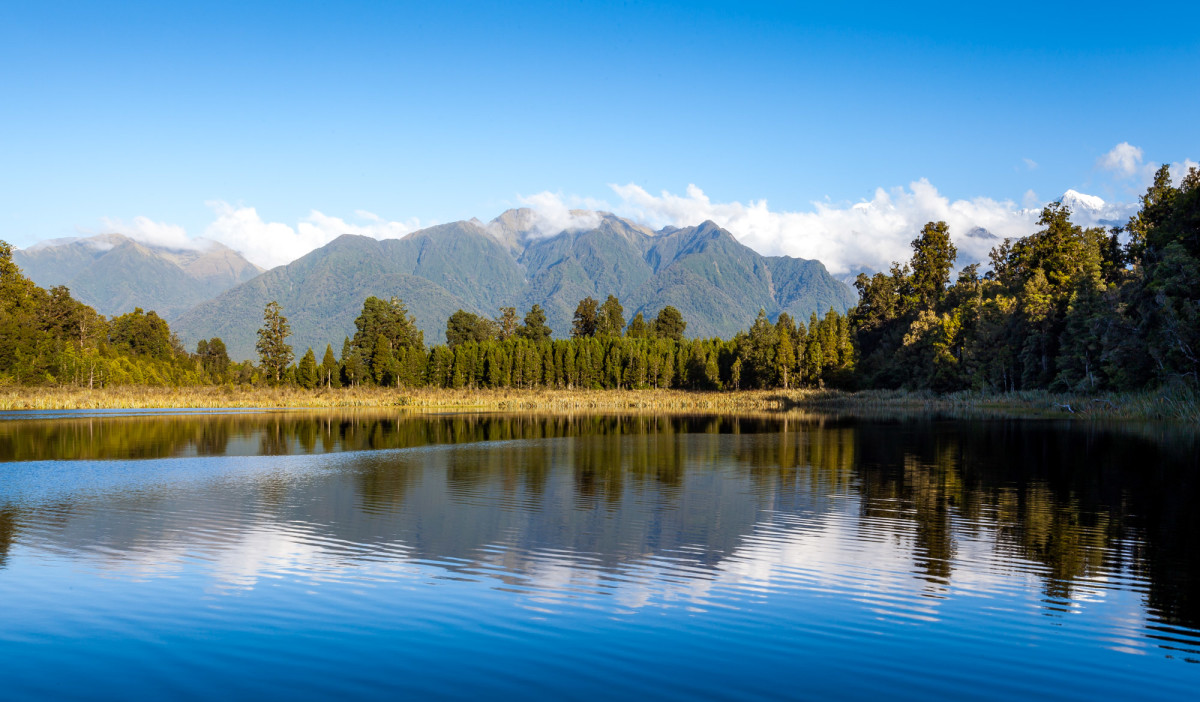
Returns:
(593, 501)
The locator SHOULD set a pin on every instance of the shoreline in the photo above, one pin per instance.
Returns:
(1162, 404)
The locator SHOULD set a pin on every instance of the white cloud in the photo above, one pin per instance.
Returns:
(1127, 162)
(871, 233)
(1030, 163)
(554, 214)
(1124, 159)
(1180, 169)
(148, 231)
(274, 243)
(268, 244)
(844, 236)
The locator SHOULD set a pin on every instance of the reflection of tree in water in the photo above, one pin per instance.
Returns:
(8, 533)
(660, 457)
(515, 468)
(599, 470)
(273, 439)
(803, 456)
(1169, 559)
(924, 489)
(210, 438)
(383, 483)
(1081, 503)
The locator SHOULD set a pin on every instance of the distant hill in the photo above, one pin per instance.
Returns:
(716, 282)
(115, 274)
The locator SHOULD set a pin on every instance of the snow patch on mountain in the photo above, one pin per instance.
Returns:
(1093, 211)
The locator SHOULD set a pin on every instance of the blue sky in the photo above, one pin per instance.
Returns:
(431, 112)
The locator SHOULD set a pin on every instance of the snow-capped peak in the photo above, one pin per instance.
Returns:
(1079, 201)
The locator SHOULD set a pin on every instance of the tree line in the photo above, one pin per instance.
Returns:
(603, 351)
(1065, 308)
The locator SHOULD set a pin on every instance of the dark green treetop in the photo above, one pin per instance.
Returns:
(610, 321)
(669, 324)
(535, 328)
(586, 318)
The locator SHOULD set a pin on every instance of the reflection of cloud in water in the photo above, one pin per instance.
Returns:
(613, 523)
(269, 549)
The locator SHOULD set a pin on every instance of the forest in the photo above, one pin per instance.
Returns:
(1064, 309)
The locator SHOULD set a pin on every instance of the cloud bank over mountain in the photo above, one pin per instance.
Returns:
(845, 236)
(267, 244)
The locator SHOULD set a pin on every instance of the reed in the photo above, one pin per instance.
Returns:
(1163, 404)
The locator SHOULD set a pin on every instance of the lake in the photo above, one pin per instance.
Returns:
(304, 555)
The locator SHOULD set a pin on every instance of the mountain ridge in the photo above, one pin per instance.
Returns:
(115, 273)
(717, 283)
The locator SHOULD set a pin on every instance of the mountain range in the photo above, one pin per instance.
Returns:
(114, 273)
(211, 290)
(717, 283)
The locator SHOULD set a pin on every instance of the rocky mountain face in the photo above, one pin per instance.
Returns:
(115, 274)
(717, 283)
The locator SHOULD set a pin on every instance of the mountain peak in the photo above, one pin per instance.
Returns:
(711, 228)
(1080, 201)
(115, 273)
(98, 242)
(980, 233)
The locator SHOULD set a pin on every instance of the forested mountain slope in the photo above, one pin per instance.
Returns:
(717, 283)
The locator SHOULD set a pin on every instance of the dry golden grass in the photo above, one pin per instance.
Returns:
(140, 397)
(1162, 404)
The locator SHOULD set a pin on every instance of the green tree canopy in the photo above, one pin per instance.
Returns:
(535, 328)
(213, 356)
(669, 324)
(142, 333)
(933, 257)
(638, 329)
(585, 321)
(507, 323)
(465, 326)
(610, 321)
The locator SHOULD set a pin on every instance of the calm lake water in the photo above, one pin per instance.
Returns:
(298, 555)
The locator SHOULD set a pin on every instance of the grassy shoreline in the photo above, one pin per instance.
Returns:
(1163, 404)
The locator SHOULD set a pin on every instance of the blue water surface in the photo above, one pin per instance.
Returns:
(646, 558)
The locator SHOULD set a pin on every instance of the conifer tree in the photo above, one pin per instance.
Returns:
(463, 326)
(389, 319)
(585, 321)
(759, 348)
(669, 324)
(611, 318)
(330, 371)
(273, 350)
(507, 323)
(306, 372)
(383, 363)
(535, 328)
(933, 257)
(638, 329)
(785, 359)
